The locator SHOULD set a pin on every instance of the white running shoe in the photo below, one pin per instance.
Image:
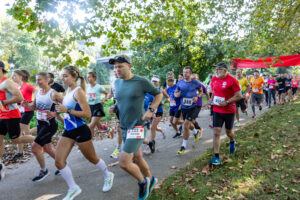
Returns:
(72, 193)
(2, 171)
(108, 182)
(147, 150)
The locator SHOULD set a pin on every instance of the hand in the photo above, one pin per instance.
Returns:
(61, 108)
(147, 115)
(103, 102)
(25, 103)
(51, 115)
(223, 103)
(195, 99)
(177, 93)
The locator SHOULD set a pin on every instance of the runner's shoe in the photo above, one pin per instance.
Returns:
(57, 172)
(181, 150)
(115, 154)
(2, 171)
(16, 157)
(260, 107)
(41, 176)
(152, 146)
(253, 116)
(237, 124)
(144, 189)
(147, 150)
(232, 147)
(72, 193)
(198, 135)
(215, 161)
(108, 182)
(152, 183)
(177, 135)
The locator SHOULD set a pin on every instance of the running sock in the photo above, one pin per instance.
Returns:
(103, 168)
(66, 173)
(119, 147)
(196, 125)
(253, 109)
(216, 155)
(44, 169)
(184, 143)
(195, 131)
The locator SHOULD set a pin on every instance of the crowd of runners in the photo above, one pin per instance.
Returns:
(138, 105)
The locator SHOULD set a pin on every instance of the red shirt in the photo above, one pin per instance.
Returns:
(295, 83)
(27, 91)
(223, 90)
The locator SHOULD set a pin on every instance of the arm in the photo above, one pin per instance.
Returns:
(105, 98)
(155, 103)
(12, 89)
(237, 96)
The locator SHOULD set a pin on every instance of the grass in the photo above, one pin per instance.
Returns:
(265, 166)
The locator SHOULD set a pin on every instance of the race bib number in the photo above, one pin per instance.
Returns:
(172, 103)
(218, 100)
(255, 90)
(42, 115)
(288, 84)
(91, 96)
(271, 87)
(67, 116)
(187, 101)
(21, 109)
(136, 133)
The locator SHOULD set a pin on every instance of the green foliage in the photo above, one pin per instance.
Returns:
(103, 77)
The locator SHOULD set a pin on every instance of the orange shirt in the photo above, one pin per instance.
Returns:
(256, 85)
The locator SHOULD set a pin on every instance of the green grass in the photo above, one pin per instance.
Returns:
(265, 166)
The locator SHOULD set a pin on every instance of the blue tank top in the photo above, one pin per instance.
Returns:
(71, 121)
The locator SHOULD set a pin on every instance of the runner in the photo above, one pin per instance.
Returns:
(57, 87)
(75, 108)
(44, 104)
(10, 115)
(174, 112)
(272, 83)
(21, 78)
(288, 86)
(187, 90)
(257, 85)
(180, 77)
(245, 87)
(130, 93)
(295, 86)
(156, 118)
(265, 89)
(281, 88)
(170, 75)
(226, 91)
(94, 91)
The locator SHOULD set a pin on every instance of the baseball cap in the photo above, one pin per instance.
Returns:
(120, 59)
(155, 78)
(221, 64)
(2, 65)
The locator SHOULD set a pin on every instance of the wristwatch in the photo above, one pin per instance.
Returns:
(227, 101)
(68, 111)
(152, 109)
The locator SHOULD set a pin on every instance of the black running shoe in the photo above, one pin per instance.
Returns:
(177, 135)
(180, 129)
(152, 146)
(41, 176)
(144, 189)
(57, 172)
(16, 157)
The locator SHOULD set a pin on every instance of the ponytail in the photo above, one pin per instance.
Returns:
(82, 83)
(74, 71)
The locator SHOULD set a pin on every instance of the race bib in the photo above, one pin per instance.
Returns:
(187, 101)
(255, 90)
(21, 109)
(288, 84)
(271, 87)
(172, 103)
(218, 100)
(42, 115)
(136, 133)
(67, 116)
(92, 96)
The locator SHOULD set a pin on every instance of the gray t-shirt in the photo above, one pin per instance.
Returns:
(130, 96)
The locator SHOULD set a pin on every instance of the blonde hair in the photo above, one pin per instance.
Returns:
(74, 71)
(44, 75)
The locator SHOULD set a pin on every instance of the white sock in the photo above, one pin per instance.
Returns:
(119, 146)
(195, 131)
(43, 169)
(66, 173)
(184, 143)
(103, 168)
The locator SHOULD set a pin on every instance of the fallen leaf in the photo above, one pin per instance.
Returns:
(267, 172)
(173, 167)
(240, 197)
(113, 164)
(268, 190)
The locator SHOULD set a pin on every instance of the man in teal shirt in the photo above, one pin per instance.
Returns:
(130, 92)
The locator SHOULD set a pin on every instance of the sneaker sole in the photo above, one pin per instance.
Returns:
(41, 178)
(154, 183)
(112, 182)
(148, 190)
(76, 194)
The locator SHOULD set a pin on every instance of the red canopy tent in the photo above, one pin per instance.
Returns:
(275, 61)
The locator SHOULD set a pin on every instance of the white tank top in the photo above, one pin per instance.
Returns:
(44, 104)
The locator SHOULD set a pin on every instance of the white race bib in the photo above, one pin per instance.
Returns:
(271, 87)
(21, 109)
(187, 101)
(255, 90)
(218, 100)
(67, 116)
(42, 115)
(91, 96)
(172, 103)
(136, 133)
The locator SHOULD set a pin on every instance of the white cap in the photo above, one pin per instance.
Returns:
(155, 79)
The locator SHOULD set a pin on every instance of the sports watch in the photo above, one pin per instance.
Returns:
(152, 109)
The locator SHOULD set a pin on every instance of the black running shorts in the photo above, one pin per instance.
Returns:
(80, 134)
(10, 126)
(220, 118)
(26, 117)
